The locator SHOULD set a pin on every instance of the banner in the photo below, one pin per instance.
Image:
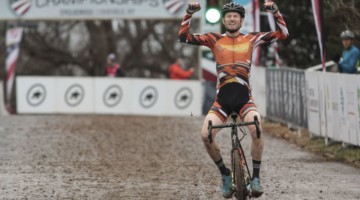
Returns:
(103, 95)
(92, 9)
(318, 17)
(13, 38)
(274, 45)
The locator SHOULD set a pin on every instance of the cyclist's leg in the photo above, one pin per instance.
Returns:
(214, 152)
(212, 149)
(257, 148)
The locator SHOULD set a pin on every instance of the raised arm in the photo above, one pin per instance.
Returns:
(281, 34)
(196, 39)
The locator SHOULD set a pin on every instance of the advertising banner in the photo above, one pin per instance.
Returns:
(357, 83)
(112, 95)
(74, 95)
(93, 9)
(350, 116)
(183, 98)
(258, 86)
(313, 104)
(35, 94)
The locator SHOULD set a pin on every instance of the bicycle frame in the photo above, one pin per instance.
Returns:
(235, 141)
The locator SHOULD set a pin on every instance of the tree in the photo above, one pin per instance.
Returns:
(144, 47)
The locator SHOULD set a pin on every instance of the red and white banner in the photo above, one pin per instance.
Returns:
(256, 17)
(13, 38)
(274, 45)
(317, 6)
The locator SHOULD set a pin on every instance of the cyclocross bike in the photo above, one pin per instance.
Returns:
(240, 171)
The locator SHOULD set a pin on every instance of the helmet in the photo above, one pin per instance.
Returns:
(347, 35)
(233, 7)
(111, 56)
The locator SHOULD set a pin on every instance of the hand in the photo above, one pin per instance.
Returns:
(193, 7)
(271, 7)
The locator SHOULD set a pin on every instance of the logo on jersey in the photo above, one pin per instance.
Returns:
(36, 95)
(74, 95)
(148, 97)
(20, 7)
(183, 98)
(240, 48)
(174, 6)
(112, 96)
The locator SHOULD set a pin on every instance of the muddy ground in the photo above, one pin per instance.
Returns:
(138, 157)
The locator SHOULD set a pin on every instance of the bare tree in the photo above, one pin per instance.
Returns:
(144, 47)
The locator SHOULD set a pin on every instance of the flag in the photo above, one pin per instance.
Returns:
(274, 44)
(13, 38)
(318, 17)
(256, 19)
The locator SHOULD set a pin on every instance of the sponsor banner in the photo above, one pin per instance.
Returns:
(113, 95)
(322, 107)
(331, 105)
(313, 102)
(36, 94)
(74, 95)
(93, 9)
(148, 97)
(3, 110)
(342, 98)
(108, 96)
(350, 115)
(357, 83)
(183, 98)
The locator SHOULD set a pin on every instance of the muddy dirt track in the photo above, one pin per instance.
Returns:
(117, 157)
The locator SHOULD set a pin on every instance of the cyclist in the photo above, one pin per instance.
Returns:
(233, 51)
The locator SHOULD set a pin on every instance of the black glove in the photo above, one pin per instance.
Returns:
(193, 7)
(271, 7)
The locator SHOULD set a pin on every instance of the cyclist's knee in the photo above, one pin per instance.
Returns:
(204, 137)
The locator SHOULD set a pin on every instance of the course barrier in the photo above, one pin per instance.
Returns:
(286, 97)
(108, 96)
(334, 106)
(3, 110)
(327, 104)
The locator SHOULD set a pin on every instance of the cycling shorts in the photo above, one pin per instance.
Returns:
(233, 97)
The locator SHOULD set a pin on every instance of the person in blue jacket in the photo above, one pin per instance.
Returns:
(350, 55)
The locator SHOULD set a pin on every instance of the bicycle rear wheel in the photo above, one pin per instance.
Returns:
(238, 173)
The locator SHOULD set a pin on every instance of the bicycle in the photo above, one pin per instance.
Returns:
(240, 179)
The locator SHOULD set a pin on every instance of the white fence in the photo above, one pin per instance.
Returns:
(332, 99)
(333, 103)
(108, 96)
(3, 110)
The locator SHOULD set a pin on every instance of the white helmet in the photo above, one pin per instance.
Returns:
(347, 35)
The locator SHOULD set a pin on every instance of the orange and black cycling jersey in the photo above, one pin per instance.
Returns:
(232, 54)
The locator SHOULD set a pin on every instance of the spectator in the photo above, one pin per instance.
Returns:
(177, 72)
(350, 56)
(112, 68)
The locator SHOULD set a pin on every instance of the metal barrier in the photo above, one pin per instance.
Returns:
(286, 96)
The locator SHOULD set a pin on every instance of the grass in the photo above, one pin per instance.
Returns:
(333, 151)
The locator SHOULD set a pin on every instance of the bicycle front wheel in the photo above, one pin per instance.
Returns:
(238, 174)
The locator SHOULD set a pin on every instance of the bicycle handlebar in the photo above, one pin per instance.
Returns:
(255, 122)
